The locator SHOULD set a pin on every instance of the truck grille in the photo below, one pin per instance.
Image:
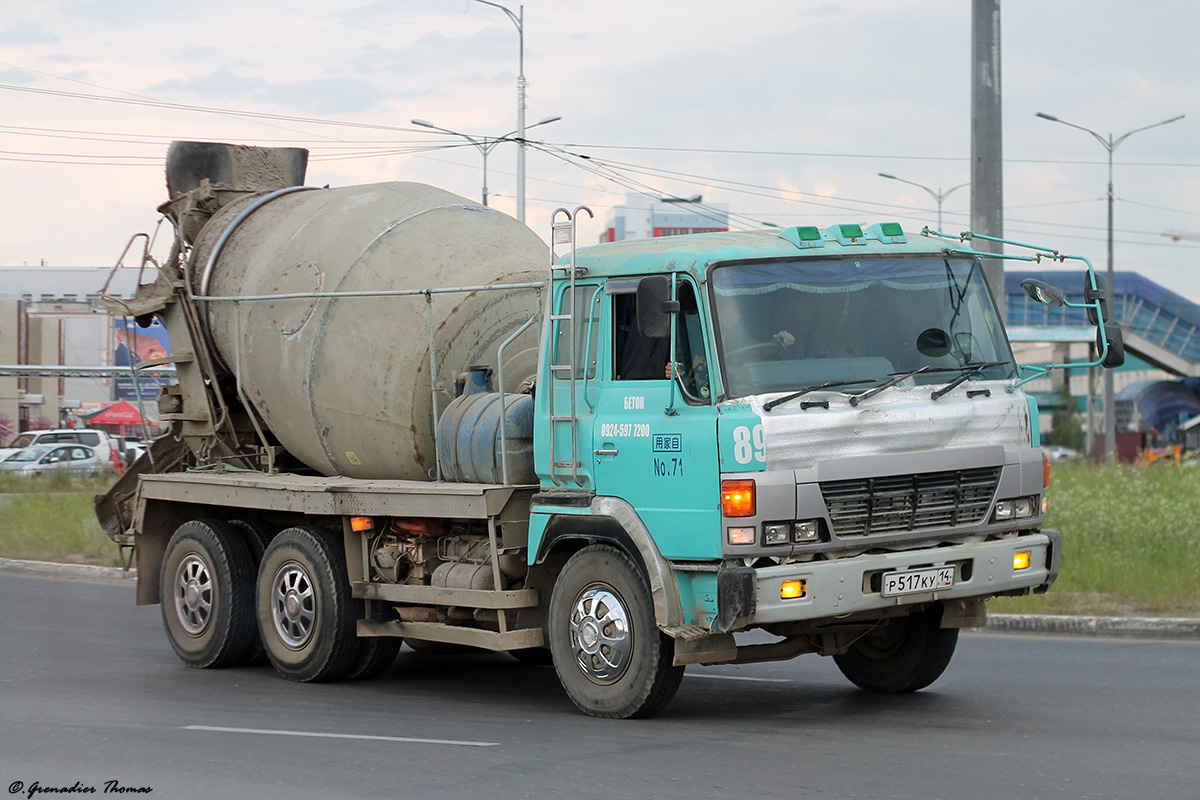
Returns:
(897, 503)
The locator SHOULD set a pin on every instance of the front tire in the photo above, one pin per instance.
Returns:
(903, 654)
(608, 652)
(305, 609)
(207, 590)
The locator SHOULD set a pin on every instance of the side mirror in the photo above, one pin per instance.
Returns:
(1044, 293)
(653, 311)
(1091, 295)
(1116, 345)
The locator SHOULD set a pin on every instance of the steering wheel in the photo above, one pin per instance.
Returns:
(764, 349)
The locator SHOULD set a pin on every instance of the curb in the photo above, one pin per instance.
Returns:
(1115, 627)
(75, 572)
(1177, 628)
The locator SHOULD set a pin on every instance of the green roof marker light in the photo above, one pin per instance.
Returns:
(803, 236)
(846, 234)
(890, 232)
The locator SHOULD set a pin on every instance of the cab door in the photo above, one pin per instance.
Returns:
(654, 434)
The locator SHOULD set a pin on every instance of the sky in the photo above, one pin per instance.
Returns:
(785, 110)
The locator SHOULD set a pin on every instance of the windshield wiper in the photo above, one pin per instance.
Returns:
(970, 369)
(896, 378)
(767, 406)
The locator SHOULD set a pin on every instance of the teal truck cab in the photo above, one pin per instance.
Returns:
(818, 434)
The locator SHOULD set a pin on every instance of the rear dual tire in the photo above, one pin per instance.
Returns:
(233, 593)
(207, 587)
(307, 616)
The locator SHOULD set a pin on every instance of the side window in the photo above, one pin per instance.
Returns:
(586, 318)
(87, 437)
(636, 357)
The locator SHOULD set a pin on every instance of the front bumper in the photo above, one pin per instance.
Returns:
(851, 585)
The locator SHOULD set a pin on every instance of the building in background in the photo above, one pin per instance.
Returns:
(644, 217)
(24, 339)
(52, 316)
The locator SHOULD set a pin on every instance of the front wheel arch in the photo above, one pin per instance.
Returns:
(615, 522)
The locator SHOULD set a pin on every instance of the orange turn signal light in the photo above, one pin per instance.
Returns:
(737, 498)
(1045, 471)
(361, 524)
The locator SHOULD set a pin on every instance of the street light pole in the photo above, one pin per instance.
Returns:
(938, 196)
(518, 20)
(1110, 144)
(484, 144)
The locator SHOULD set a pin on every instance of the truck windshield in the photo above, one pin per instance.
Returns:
(782, 326)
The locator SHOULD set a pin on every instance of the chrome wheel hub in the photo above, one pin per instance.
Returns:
(293, 605)
(193, 591)
(601, 639)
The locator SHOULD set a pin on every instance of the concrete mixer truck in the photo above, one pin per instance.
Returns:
(399, 415)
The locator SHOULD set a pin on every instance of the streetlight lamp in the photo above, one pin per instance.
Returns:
(485, 145)
(1110, 144)
(938, 196)
(518, 20)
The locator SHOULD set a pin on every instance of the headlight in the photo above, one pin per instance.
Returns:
(802, 531)
(1019, 508)
(808, 530)
(777, 533)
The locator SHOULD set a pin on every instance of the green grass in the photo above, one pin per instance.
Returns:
(50, 519)
(1131, 538)
(1131, 543)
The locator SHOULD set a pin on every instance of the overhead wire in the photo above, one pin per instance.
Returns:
(604, 169)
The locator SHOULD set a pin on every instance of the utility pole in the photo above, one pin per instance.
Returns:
(987, 156)
(1109, 143)
(518, 20)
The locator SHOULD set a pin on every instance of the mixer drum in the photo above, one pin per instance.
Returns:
(344, 383)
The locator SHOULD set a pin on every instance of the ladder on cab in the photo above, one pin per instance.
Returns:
(562, 343)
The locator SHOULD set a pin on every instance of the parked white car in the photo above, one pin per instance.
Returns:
(1057, 452)
(99, 441)
(76, 459)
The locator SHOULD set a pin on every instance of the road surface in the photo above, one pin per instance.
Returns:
(91, 693)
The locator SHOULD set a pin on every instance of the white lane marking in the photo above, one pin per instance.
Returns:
(315, 735)
(737, 678)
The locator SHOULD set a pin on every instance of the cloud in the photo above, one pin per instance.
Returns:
(121, 13)
(24, 31)
(319, 96)
(195, 51)
(16, 76)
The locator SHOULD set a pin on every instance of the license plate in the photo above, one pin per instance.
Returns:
(917, 581)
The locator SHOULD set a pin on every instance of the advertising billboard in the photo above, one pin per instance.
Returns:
(139, 344)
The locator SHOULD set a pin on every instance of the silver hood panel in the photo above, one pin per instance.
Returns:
(898, 420)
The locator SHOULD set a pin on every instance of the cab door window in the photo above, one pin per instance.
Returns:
(636, 357)
(690, 357)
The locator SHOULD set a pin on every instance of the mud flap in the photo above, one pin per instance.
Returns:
(736, 598)
(1053, 560)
